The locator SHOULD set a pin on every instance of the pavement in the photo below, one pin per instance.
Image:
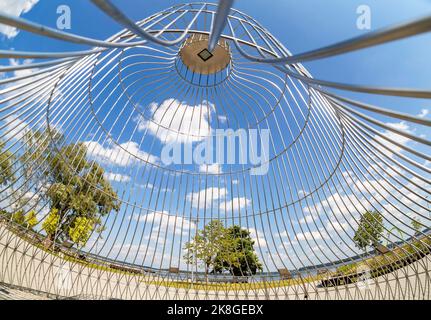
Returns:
(28, 272)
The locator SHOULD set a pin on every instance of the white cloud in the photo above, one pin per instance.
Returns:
(340, 227)
(211, 168)
(206, 197)
(411, 202)
(222, 119)
(94, 243)
(175, 121)
(401, 126)
(21, 72)
(15, 128)
(122, 155)
(301, 193)
(309, 236)
(258, 237)
(423, 113)
(28, 87)
(236, 204)
(117, 177)
(15, 8)
(339, 205)
(307, 219)
(397, 204)
(165, 222)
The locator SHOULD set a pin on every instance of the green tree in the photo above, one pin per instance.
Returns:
(81, 230)
(248, 261)
(398, 230)
(39, 147)
(77, 190)
(6, 167)
(52, 222)
(370, 230)
(80, 193)
(210, 245)
(28, 220)
(416, 225)
(18, 217)
(31, 219)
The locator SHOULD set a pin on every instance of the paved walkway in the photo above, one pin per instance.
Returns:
(12, 293)
(26, 266)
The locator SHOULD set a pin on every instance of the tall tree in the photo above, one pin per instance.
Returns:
(6, 167)
(416, 225)
(370, 230)
(211, 244)
(39, 146)
(79, 193)
(27, 220)
(6, 172)
(248, 261)
(76, 188)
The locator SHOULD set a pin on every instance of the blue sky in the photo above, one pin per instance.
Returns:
(300, 26)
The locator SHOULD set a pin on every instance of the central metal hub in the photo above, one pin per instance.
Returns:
(198, 59)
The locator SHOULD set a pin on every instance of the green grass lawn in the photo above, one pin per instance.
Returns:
(398, 255)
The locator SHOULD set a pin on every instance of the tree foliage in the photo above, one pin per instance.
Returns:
(76, 188)
(31, 219)
(416, 225)
(39, 145)
(6, 167)
(81, 230)
(248, 262)
(52, 222)
(218, 248)
(27, 220)
(18, 217)
(370, 230)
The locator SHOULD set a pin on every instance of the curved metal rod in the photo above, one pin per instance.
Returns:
(112, 11)
(371, 39)
(396, 92)
(384, 126)
(422, 94)
(32, 75)
(390, 140)
(220, 21)
(42, 30)
(386, 112)
(46, 55)
(328, 162)
(34, 65)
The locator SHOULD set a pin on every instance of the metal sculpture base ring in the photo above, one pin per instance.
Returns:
(198, 59)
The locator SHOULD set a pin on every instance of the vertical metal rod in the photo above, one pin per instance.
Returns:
(220, 21)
